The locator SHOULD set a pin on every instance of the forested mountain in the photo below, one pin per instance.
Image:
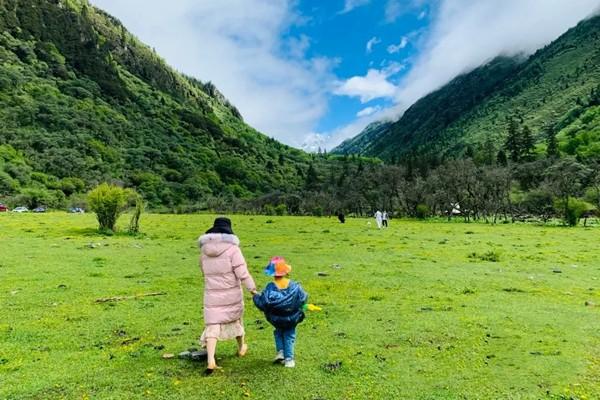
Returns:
(83, 101)
(555, 89)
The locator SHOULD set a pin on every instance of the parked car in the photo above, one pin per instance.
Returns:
(77, 210)
(20, 209)
(39, 210)
(3, 208)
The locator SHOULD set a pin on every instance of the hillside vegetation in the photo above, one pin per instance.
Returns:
(83, 101)
(552, 88)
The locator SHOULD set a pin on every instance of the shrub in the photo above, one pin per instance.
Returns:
(422, 211)
(138, 201)
(72, 185)
(108, 202)
(268, 209)
(573, 210)
(78, 200)
(491, 255)
(281, 209)
(7, 184)
(34, 197)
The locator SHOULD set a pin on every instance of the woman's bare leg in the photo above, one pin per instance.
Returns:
(211, 348)
(242, 346)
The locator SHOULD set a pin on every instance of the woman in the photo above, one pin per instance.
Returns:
(224, 270)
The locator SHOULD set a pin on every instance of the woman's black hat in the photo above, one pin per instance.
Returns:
(221, 225)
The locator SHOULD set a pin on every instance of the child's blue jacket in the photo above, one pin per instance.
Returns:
(282, 307)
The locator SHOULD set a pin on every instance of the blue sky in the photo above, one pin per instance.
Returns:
(359, 38)
(315, 72)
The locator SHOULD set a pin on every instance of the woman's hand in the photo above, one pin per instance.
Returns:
(253, 292)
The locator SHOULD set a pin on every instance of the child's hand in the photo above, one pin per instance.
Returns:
(253, 292)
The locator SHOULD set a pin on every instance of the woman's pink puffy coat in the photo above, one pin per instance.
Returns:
(224, 270)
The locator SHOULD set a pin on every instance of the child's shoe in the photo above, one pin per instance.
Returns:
(289, 363)
(278, 357)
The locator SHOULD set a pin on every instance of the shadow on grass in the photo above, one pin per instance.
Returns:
(230, 363)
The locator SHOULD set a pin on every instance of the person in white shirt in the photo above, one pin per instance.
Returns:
(384, 219)
(378, 218)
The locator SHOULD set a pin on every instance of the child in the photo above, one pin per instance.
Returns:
(282, 301)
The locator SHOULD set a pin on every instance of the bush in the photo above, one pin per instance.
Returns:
(281, 209)
(539, 202)
(108, 202)
(138, 202)
(268, 209)
(35, 197)
(8, 185)
(490, 255)
(78, 200)
(423, 211)
(573, 211)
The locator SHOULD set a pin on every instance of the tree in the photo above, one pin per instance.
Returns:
(488, 151)
(565, 180)
(527, 144)
(552, 143)
(501, 158)
(108, 202)
(539, 202)
(574, 209)
(469, 152)
(513, 141)
(592, 194)
(312, 178)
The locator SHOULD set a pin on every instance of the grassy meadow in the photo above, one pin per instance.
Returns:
(422, 310)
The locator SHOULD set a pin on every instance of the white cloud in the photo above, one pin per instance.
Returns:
(368, 111)
(350, 5)
(331, 139)
(422, 15)
(375, 84)
(371, 86)
(238, 45)
(372, 42)
(395, 48)
(396, 8)
(393, 10)
(464, 35)
(298, 46)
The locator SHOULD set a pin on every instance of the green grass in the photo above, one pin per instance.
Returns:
(410, 313)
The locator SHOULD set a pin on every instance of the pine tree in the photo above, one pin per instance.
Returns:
(527, 144)
(488, 151)
(513, 141)
(552, 143)
(361, 167)
(501, 158)
(469, 152)
(312, 179)
(595, 96)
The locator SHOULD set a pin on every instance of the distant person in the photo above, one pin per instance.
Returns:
(283, 302)
(224, 270)
(378, 218)
(341, 217)
(384, 219)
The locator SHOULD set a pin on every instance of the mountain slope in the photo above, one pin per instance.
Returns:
(82, 100)
(476, 107)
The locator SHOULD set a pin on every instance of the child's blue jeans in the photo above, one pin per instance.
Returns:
(284, 341)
